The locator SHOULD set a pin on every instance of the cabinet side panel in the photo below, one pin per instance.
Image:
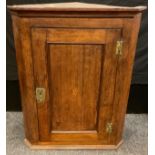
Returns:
(25, 73)
(124, 73)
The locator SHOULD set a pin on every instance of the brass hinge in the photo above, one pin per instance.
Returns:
(119, 46)
(40, 95)
(109, 127)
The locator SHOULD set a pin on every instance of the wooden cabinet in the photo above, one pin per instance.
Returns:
(75, 64)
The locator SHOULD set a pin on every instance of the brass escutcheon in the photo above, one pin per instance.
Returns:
(40, 95)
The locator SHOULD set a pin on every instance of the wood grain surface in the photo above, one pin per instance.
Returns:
(74, 59)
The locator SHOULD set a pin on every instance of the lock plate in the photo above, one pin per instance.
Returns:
(40, 95)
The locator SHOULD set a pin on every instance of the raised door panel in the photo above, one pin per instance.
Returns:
(74, 86)
(77, 69)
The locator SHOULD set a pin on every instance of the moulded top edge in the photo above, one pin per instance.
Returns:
(74, 6)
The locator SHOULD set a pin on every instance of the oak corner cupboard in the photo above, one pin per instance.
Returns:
(74, 64)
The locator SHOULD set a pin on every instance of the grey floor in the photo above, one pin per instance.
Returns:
(135, 138)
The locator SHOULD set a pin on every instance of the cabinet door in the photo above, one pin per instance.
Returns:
(74, 73)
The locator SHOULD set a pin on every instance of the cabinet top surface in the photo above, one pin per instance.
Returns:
(74, 6)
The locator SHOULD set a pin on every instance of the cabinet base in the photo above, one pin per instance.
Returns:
(56, 146)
